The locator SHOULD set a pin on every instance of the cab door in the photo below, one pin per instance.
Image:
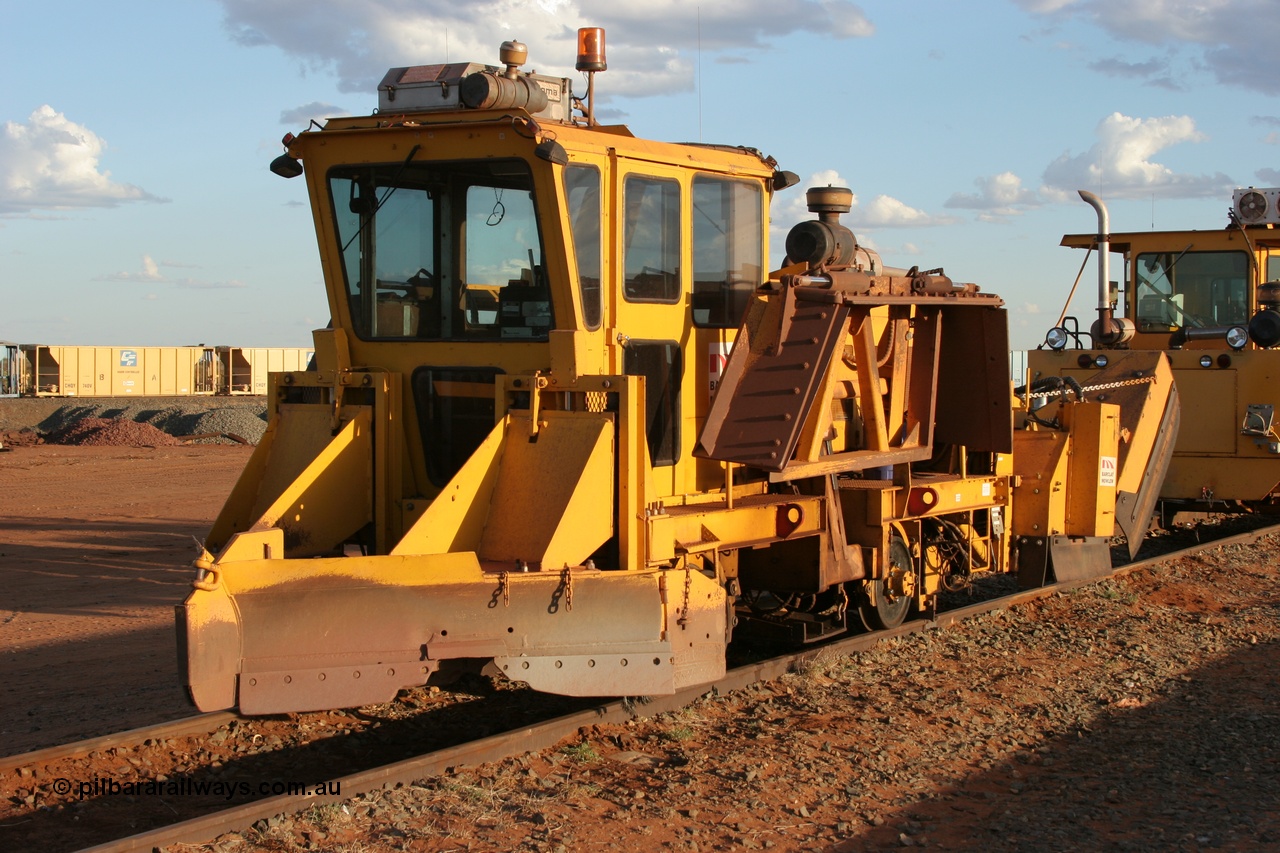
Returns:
(650, 313)
(690, 252)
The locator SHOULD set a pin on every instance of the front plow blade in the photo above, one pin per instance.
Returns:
(276, 635)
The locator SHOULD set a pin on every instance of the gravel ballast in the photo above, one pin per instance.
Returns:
(203, 420)
(1136, 714)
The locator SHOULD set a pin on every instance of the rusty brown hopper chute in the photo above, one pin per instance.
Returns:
(896, 354)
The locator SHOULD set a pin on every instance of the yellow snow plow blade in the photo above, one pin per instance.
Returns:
(285, 635)
(271, 634)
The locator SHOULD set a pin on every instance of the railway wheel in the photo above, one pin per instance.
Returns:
(893, 593)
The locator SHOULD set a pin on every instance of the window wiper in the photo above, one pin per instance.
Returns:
(1167, 297)
(395, 185)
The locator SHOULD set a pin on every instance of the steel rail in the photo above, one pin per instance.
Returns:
(194, 725)
(542, 735)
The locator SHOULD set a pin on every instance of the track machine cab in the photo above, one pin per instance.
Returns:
(565, 425)
(1210, 301)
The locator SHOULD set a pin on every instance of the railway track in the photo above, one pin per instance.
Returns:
(111, 819)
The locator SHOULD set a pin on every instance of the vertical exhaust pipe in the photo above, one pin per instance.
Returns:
(1108, 329)
(1104, 252)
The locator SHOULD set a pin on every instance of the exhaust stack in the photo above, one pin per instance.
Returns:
(1108, 329)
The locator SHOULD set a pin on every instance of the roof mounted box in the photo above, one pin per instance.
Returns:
(425, 88)
(436, 88)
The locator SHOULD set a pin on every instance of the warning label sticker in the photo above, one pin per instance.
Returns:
(717, 358)
(1107, 472)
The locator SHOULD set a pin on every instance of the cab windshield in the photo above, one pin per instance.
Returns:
(442, 251)
(1191, 290)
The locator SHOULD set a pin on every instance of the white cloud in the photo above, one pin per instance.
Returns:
(881, 212)
(52, 163)
(651, 47)
(888, 212)
(150, 273)
(1268, 177)
(150, 270)
(1120, 163)
(791, 207)
(998, 196)
(1234, 39)
(316, 111)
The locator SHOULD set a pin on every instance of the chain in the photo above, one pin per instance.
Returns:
(566, 580)
(684, 612)
(1106, 386)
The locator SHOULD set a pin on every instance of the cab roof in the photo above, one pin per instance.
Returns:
(1260, 236)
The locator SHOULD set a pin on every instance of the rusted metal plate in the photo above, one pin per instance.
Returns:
(318, 686)
(973, 380)
(1046, 559)
(770, 381)
(1079, 558)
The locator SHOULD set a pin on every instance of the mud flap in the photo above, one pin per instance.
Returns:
(1043, 560)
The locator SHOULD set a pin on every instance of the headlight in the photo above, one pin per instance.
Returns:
(1206, 361)
(1102, 361)
(1237, 337)
(1056, 339)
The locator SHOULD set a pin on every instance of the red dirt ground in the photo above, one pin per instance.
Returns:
(95, 546)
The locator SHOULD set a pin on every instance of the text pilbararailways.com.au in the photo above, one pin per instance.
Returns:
(100, 786)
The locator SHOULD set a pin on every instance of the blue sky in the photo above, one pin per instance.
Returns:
(136, 207)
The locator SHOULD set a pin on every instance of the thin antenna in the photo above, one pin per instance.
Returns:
(699, 83)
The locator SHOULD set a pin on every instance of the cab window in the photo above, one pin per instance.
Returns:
(1273, 268)
(582, 191)
(651, 240)
(1190, 289)
(728, 249)
(442, 251)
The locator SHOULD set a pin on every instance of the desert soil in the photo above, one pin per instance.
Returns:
(96, 545)
(1136, 714)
